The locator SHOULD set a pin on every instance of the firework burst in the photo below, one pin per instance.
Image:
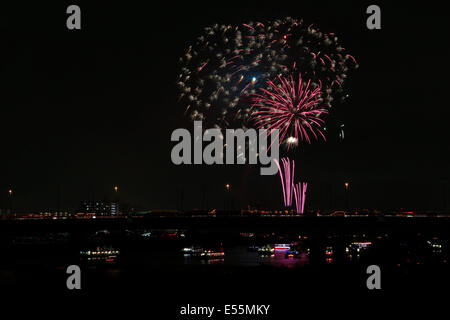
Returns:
(292, 107)
(227, 64)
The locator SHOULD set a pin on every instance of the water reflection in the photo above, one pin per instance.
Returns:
(165, 247)
(280, 259)
(241, 255)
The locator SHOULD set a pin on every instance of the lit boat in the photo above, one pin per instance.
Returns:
(199, 252)
(266, 250)
(291, 254)
(282, 247)
(100, 254)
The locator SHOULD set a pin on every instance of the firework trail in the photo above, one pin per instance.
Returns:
(227, 64)
(287, 179)
(292, 108)
(300, 196)
(291, 190)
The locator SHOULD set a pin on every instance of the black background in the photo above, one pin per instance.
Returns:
(89, 109)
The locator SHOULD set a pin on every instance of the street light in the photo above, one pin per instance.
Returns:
(116, 188)
(10, 192)
(227, 200)
(346, 196)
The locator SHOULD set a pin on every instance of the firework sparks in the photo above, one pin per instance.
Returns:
(286, 172)
(291, 190)
(227, 64)
(300, 196)
(291, 107)
(291, 141)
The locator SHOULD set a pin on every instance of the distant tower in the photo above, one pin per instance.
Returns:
(115, 208)
(116, 194)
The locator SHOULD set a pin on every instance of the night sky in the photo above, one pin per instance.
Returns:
(90, 109)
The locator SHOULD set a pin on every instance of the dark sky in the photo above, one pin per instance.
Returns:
(96, 107)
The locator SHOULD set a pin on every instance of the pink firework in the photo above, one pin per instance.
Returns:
(300, 196)
(291, 107)
(291, 191)
(287, 179)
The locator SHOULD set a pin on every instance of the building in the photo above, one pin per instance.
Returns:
(100, 208)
